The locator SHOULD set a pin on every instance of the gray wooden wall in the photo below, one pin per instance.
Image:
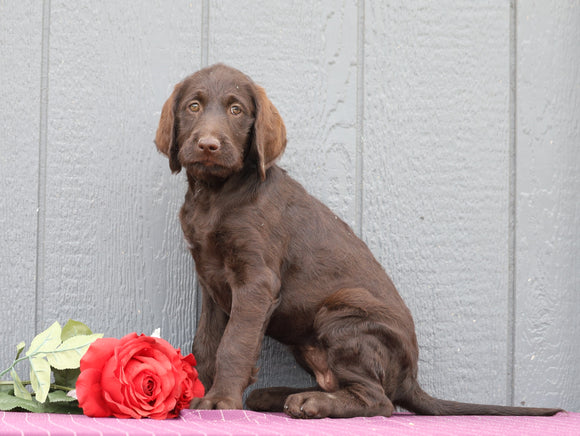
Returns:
(447, 133)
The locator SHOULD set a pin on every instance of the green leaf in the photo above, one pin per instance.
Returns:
(19, 349)
(40, 377)
(46, 341)
(19, 389)
(68, 354)
(66, 377)
(6, 386)
(59, 397)
(74, 328)
(10, 402)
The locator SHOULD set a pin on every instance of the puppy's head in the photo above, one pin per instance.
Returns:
(218, 121)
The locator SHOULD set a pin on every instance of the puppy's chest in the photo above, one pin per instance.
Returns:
(201, 232)
(208, 246)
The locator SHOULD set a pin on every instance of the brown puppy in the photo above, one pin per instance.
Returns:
(273, 260)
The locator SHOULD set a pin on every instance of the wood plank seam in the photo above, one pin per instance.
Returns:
(42, 154)
(511, 309)
(360, 119)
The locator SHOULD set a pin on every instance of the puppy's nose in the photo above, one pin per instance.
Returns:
(209, 144)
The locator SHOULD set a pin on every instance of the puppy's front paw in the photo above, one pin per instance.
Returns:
(210, 402)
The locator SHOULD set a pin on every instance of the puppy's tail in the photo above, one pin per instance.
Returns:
(420, 402)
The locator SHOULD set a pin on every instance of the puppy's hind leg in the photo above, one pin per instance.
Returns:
(349, 387)
(272, 399)
(355, 400)
(356, 356)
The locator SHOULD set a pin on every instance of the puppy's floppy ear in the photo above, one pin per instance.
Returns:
(166, 136)
(269, 132)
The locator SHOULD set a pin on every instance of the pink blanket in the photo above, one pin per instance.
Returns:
(241, 422)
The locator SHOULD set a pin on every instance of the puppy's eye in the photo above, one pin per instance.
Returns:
(194, 107)
(235, 109)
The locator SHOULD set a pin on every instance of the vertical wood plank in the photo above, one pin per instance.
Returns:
(20, 71)
(548, 205)
(304, 54)
(114, 252)
(436, 173)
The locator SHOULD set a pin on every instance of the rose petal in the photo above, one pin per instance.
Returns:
(162, 376)
(99, 353)
(190, 359)
(89, 394)
(110, 381)
(120, 410)
(146, 386)
(128, 346)
(198, 390)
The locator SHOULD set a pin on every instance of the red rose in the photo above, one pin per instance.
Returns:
(136, 377)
